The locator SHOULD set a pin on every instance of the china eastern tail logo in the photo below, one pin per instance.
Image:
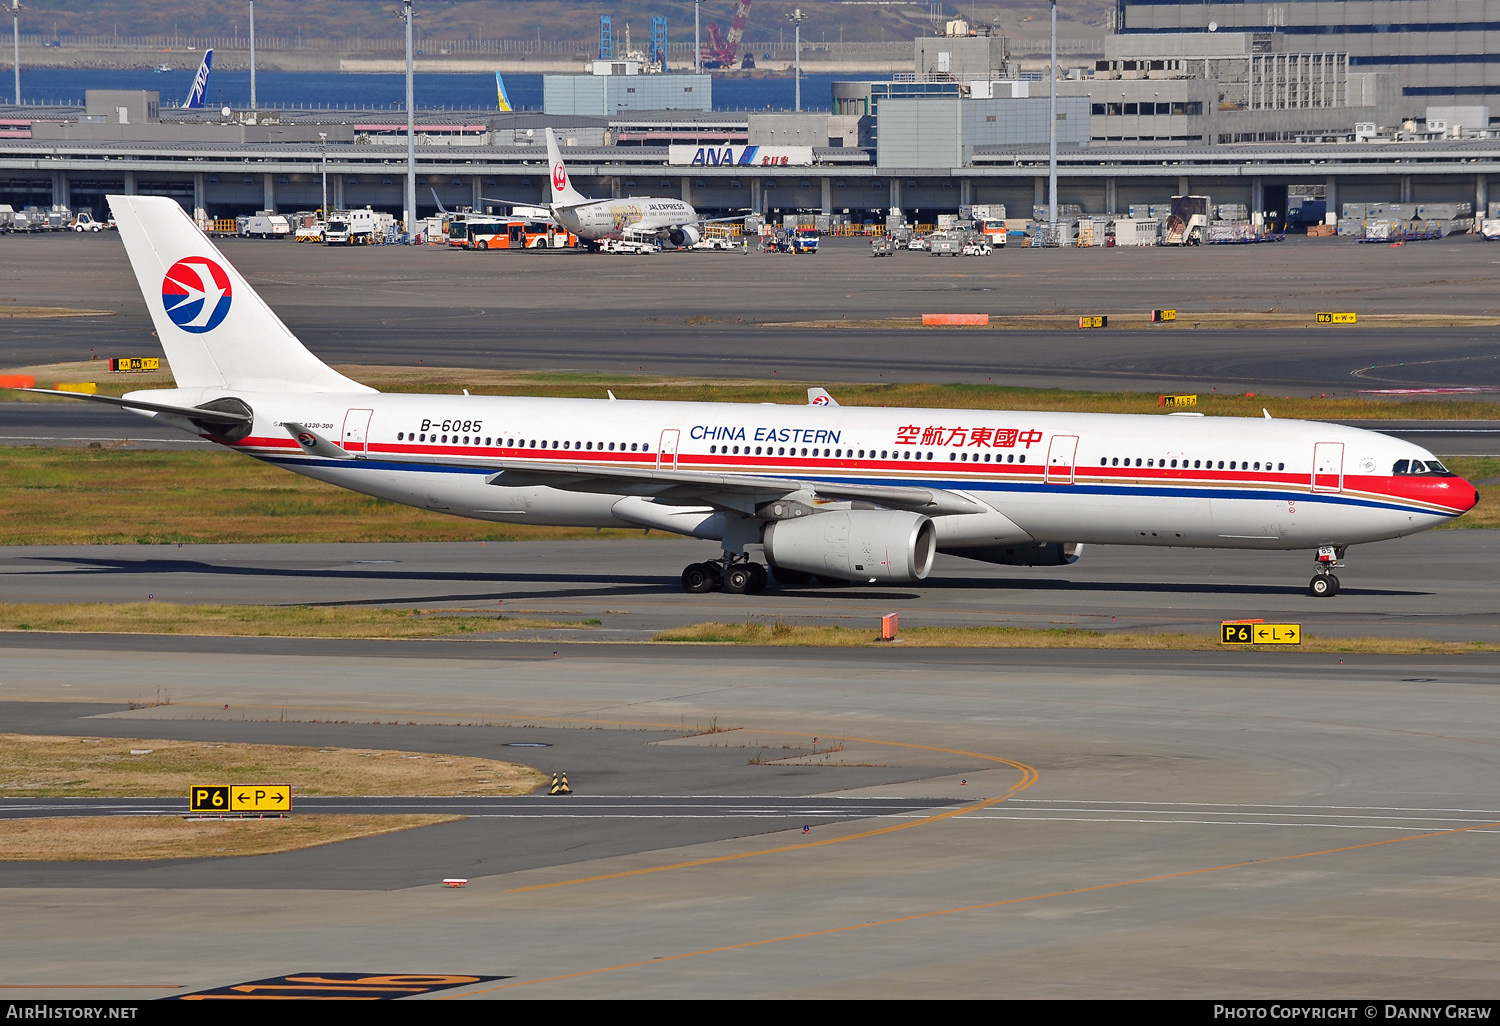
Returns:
(196, 294)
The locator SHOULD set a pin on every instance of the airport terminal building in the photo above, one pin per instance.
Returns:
(1247, 103)
(1442, 52)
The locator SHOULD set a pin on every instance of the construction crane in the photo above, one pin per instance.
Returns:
(723, 50)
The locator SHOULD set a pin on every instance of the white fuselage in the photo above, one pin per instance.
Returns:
(615, 218)
(1044, 477)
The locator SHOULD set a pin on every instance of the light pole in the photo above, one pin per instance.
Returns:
(252, 54)
(323, 137)
(15, 13)
(410, 207)
(697, 47)
(796, 19)
(1052, 132)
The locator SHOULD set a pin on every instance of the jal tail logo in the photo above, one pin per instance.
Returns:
(196, 294)
(559, 177)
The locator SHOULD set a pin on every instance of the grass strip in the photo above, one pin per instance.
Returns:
(46, 766)
(1237, 320)
(793, 635)
(452, 381)
(33, 766)
(265, 621)
(145, 838)
(154, 497)
(341, 622)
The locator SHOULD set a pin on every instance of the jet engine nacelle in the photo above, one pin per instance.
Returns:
(855, 545)
(1039, 554)
(685, 236)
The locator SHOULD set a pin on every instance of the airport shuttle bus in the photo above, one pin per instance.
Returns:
(507, 233)
(828, 491)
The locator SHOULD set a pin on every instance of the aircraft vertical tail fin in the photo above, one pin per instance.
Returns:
(505, 107)
(217, 333)
(563, 193)
(199, 92)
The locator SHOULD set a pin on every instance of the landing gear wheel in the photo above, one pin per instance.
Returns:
(1323, 586)
(759, 578)
(699, 578)
(737, 579)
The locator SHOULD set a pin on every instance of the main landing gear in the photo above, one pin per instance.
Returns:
(733, 573)
(1324, 584)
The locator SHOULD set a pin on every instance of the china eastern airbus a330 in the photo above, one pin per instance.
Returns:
(836, 492)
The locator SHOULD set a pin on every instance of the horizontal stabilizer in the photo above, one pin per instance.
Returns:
(315, 444)
(196, 413)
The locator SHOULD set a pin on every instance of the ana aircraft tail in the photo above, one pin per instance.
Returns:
(505, 106)
(200, 81)
(563, 193)
(217, 333)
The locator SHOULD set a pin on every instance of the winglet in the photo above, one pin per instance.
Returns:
(820, 397)
(315, 444)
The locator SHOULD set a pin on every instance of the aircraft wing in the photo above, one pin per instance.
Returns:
(721, 489)
(538, 203)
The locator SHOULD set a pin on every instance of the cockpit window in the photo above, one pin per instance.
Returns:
(1420, 468)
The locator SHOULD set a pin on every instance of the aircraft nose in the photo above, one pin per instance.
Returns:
(1466, 495)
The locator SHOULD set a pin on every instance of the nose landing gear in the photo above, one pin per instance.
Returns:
(1324, 584)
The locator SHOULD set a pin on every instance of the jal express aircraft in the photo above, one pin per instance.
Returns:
(830, 491)
(638, 217)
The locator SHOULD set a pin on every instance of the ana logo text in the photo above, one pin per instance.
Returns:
(196, 294)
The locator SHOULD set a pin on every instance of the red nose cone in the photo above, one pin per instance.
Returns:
(1459, 494)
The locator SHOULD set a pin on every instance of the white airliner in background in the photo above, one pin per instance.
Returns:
(837, 492)
(637, 217)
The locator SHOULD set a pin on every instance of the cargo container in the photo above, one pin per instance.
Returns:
(1136, 231)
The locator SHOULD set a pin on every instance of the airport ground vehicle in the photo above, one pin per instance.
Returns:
(85, 222)
(837, 492)
(476, 231)
(1187, 224)
(942, 244)
(994, 231)
(801, 240)
(882, 246)
(357, 227)
(640, 246)
(265, 224)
